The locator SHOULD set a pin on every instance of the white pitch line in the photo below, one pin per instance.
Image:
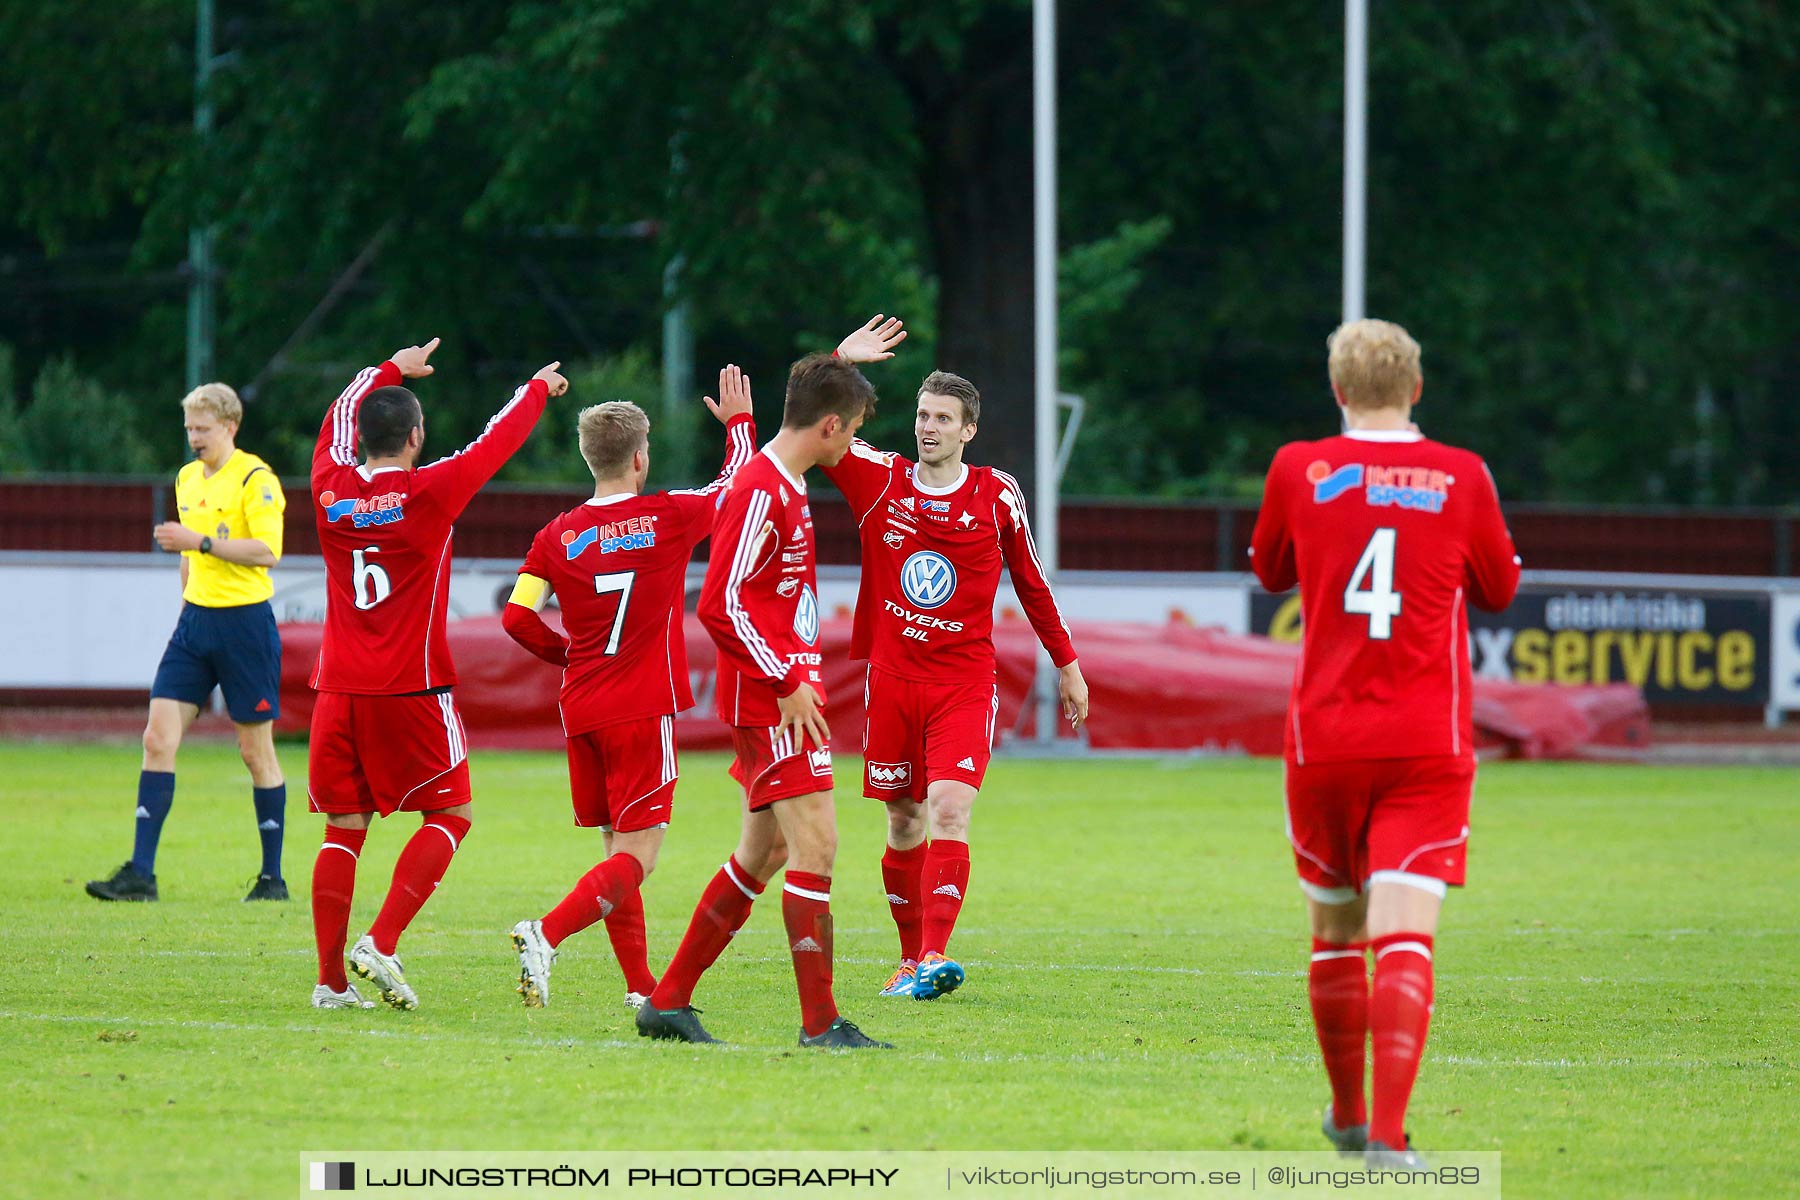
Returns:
(1293, 973)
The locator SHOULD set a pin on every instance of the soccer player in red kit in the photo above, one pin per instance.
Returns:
(935, 536)
(618, 567)
(386, 736)
(1388, 534)
(760, 603)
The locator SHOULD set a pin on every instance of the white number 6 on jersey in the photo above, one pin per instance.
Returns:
(1380, 603)
(369, 583)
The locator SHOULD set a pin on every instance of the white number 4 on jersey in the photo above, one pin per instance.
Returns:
(1380, 603)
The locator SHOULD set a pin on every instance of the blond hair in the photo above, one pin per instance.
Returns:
(216, 400)
(1374, 364)
(610, 433)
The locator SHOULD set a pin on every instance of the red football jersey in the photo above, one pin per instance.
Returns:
(385, 536)
(931, 561)
(760, 601)
(618, 566)
(1387, 534)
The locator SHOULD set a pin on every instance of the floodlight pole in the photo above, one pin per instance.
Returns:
(201, 320)
(1043, 157)
(1356, 152)
(678, 321)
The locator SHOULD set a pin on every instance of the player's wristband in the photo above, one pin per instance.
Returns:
(205, 545)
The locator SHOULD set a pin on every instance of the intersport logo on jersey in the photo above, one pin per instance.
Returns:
(363, 511)
(1421, 488)
(928, 579)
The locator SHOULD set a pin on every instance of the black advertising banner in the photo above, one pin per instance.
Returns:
(1678, 645)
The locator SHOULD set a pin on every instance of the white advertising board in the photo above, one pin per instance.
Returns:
(101, 621)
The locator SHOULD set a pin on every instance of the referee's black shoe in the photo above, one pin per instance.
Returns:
(127, 883)
(672, 1024)
(268, 887)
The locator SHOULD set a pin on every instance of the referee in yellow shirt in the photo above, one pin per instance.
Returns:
(229, 535)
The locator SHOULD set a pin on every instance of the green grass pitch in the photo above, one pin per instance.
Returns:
(1617, 1001)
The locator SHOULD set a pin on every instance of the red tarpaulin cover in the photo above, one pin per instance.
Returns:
(1169, 687)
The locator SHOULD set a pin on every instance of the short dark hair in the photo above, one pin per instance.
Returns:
(385, 419)
(943, 383)
(820, 385)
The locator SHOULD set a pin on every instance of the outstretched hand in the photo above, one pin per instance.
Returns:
(412, 360)
(557, 384)
(874, 342)
(734, 394)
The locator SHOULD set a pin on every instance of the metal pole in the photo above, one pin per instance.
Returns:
(1043, 155)
(677, 329)
(200, 316)
(678, 343)
(1356, 152)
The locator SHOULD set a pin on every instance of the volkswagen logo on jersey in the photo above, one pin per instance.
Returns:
(928, 579)
(806, 617)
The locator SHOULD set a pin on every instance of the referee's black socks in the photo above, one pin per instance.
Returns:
(271, 818)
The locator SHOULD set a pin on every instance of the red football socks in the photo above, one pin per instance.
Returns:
(946, 879)
(724, 907)
(625, 927)
(416, 875)
(1338, 985)
(1399, 1014)
(333, 884)
(594, 898)
(806, 910)
(902, 871)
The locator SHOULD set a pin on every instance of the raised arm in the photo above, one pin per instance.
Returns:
(337, 435)
(733, 410)
(865, 474)
(743, 531)
(874, 342)
(457, 478)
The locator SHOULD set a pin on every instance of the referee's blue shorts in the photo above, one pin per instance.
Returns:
(236, 649)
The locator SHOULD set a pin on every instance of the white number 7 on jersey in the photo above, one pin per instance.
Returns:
(617, 582)
(1380, 603)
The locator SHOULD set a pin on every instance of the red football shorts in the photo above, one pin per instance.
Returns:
(771, 768)
(386, 754)
(622, 777)
(1348, 821)
(918, 733)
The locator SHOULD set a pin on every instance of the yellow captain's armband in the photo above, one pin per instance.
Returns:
(529, 592)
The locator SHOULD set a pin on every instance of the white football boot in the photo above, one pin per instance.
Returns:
(536, 956)
(384, 971)
(324, 997)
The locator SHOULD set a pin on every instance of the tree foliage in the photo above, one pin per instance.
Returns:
(1583, 212)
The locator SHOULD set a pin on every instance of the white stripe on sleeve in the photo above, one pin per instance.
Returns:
(755, 514)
